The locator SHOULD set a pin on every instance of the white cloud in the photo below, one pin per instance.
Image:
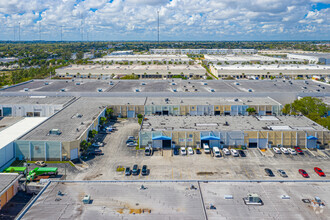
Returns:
(180, 19)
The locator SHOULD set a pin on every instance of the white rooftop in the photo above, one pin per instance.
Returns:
(19, 129)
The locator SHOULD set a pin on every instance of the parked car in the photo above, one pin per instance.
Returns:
(319, 171)
(135, 170)
(284, 150)
(40, 163)
(303, 173)
(144, 170)
(234, 152)
(216, 152)
(269, 172)
(241, 153)
(176, 151)
(298, 149)
(131, 138)
(97, 144)
(127, 171)
(207, 149)
(148, 151)
(276, 150)
(190, 151)
(292, 151)
(282, 173)
(198, 151)
(226, 151)
(131, 144)
(183, 151)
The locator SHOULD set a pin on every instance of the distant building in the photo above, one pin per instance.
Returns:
(126, 52)
(322, 58)
(203, 51)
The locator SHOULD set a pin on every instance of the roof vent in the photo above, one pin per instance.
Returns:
(226, 123)
(236, 100)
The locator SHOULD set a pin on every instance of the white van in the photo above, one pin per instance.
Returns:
(206, 148)
(216, 152)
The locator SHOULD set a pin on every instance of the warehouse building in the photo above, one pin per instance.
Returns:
(232, 131)
(268, 71)
(141, 71)
(31, 106)
(60, 136)
(146, 59)
(8, 187)
(203, 51)
(12, 129)
(316, 58)
(211, 106)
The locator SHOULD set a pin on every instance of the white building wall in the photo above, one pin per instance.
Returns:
(22, 110)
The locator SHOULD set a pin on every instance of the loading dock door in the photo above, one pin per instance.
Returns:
(166, 144)
(253, 143)
(263, 143)
(74, 154)
(131, 114)
(165, 112)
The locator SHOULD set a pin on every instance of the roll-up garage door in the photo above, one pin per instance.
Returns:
(131, 114)
(74, 154)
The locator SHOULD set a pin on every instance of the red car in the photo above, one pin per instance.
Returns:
(303, 173)
(298, 149)
(319, 171)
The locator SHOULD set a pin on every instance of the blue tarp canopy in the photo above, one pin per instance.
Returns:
(311, 138)
(210, 138)
(162, 138)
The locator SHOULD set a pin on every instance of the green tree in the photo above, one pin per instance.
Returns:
(103, 120)
(80, 55)
(84, 145)
(92, 133)
(250, 110)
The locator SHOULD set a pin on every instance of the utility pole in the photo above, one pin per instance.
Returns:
(19, 31)
(158, 24)
(39, 31)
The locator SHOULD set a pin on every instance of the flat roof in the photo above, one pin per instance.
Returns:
(72, 121)
(6, 180)
(34, 100)
(246, 58)
(212, 101)
(97, 69)
(319, 55)
(175, 200)
(18, 129)
(234, 123)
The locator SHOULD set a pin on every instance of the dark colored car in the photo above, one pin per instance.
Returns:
(127, 171)
(176, 151)
(144, 170)
(319, 171)
(198, 151)
(303, 173)
(135, 170)
(241, 153)
(269, 172)
(298, 149)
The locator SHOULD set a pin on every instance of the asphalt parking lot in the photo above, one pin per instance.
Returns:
(165, 166)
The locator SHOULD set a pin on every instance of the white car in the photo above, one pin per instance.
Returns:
(206, 148)
(226, 151)
(284, 150)
(234, 152)
(190, 151)
(216, 152)
(276, 150)
(292, 151)
(183, 151)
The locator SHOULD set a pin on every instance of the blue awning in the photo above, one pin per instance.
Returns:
(311, 138)
(162, 138)
(210, 138)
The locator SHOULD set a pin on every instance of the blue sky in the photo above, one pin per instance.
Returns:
(179, 19)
